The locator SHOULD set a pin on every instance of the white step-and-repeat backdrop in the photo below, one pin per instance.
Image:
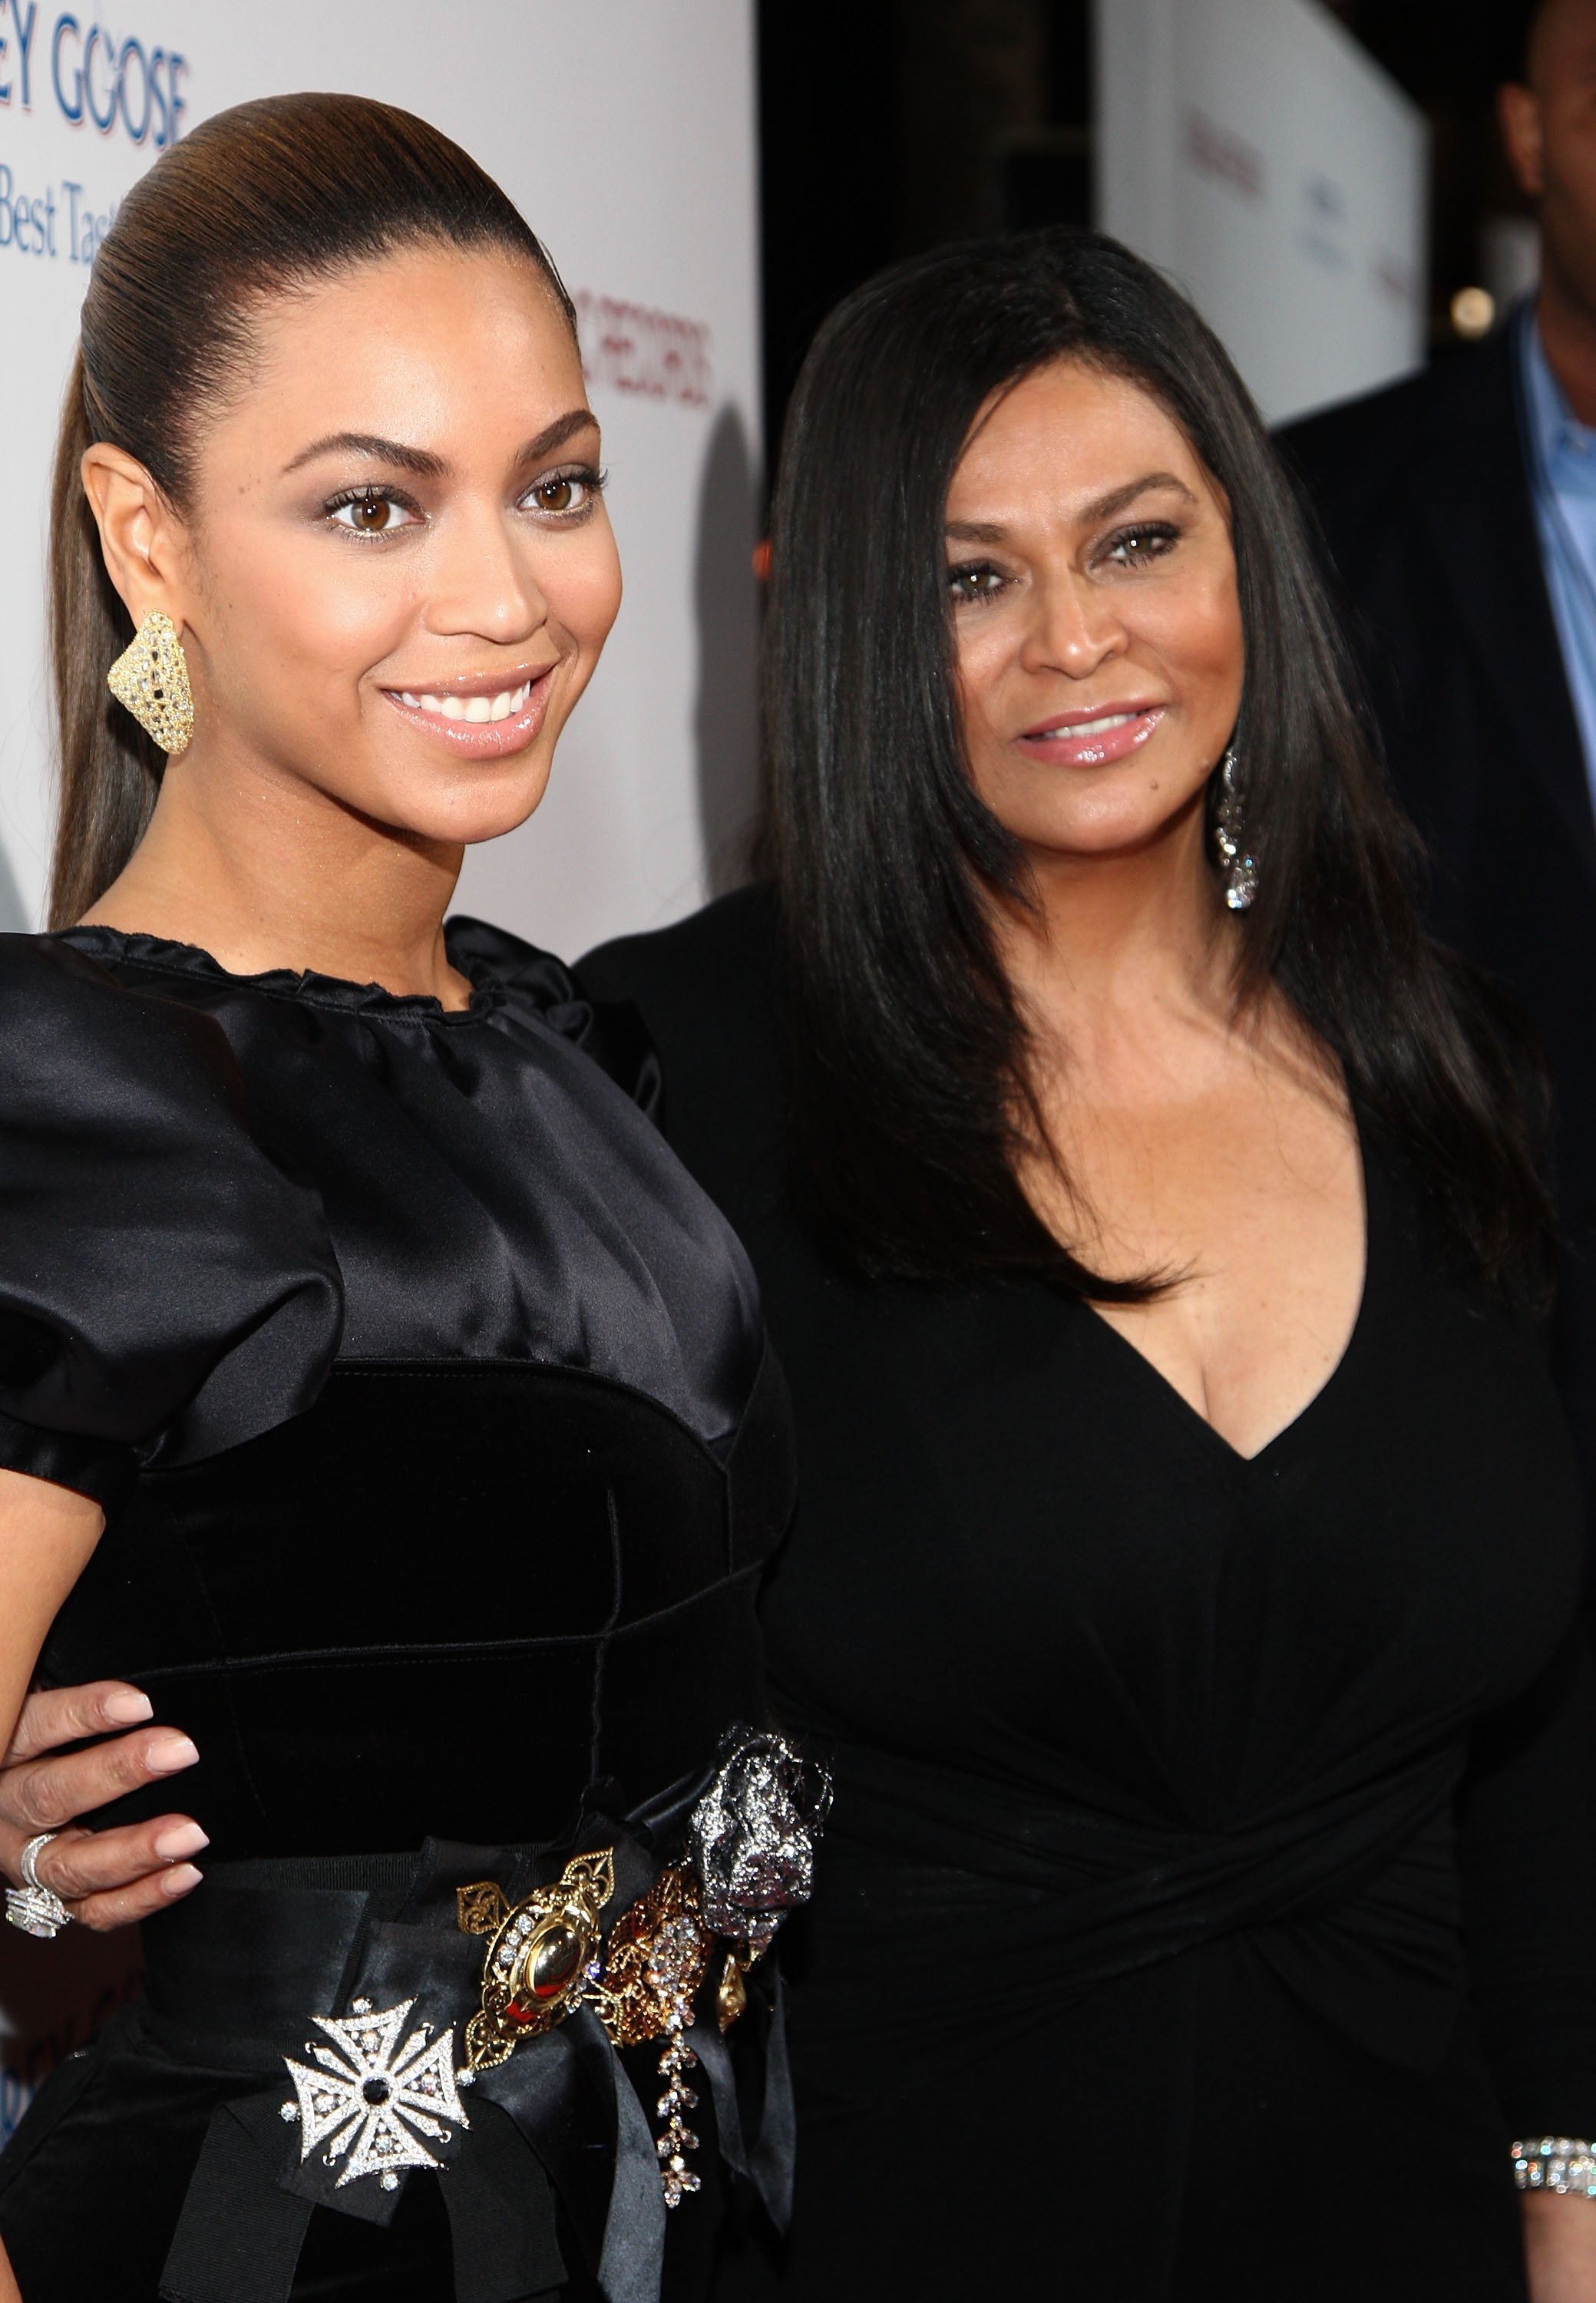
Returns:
(625, 131)
(1254, 150)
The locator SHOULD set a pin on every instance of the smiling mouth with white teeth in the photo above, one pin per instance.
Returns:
(1092, 743)
(504, 705)
(1096, 726)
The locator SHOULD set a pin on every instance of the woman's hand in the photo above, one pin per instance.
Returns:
(1559, 2246)
(107, 1878)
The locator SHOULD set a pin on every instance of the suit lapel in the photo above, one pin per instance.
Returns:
(1472, 491)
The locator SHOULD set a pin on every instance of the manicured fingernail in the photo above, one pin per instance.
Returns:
(168, 1753)
(180, 1879)
(182, 1839)
(128, 1708)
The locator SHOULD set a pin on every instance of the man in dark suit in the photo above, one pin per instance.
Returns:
(1459, 509)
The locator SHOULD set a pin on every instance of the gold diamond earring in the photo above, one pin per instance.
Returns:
(151, 678)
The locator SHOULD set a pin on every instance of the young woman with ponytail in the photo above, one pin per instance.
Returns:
(374, 1385)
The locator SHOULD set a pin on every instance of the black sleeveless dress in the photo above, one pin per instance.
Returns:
(1210, 1897)
(428, 1403)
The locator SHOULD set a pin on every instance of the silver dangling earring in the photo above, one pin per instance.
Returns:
(1237, 868)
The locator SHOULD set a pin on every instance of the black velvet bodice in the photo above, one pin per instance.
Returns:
(425, 1393)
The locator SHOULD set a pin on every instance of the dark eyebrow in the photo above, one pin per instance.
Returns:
(555, 434)
(1118, 499)
(982, 531)
(422, 461)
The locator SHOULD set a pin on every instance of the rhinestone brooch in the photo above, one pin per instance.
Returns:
(374, 2100)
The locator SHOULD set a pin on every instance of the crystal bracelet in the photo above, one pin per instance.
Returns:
(1555, 2163)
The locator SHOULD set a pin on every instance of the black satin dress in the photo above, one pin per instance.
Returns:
(427, 1399)
(1210, 1897)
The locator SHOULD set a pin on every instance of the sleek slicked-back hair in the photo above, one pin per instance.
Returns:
(259, 198)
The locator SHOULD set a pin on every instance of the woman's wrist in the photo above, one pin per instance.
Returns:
(1560, 2247)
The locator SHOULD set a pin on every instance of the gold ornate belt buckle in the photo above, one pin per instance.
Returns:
(546, 1960)
(542, 1958)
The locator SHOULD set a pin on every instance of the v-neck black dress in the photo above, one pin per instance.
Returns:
(1210, 1897)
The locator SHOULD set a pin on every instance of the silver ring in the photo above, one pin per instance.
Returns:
(27, 1861)
(37, 1910)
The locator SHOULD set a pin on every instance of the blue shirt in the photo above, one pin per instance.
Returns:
(1561, 455)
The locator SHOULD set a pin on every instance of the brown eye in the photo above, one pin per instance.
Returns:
(371, 513)
(1133, 547)
(975, 583)
(566, 494)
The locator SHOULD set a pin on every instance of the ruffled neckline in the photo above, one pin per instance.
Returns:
(488, 958)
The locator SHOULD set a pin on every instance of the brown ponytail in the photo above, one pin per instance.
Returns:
(285, 190)
(110, 772)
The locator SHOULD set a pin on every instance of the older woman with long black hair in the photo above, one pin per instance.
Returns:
(1149, 1217)
(1149, 1220)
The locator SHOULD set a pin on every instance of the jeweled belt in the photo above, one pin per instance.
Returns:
(399, 2044)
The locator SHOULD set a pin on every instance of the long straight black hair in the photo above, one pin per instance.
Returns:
(913, 1105)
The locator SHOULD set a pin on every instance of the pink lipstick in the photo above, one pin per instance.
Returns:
(486, 719)
(1091, 739)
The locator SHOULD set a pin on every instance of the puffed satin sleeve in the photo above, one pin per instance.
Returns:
(165, 1291)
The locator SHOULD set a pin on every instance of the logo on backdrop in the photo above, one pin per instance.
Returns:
(123, 89)
(652, 355)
